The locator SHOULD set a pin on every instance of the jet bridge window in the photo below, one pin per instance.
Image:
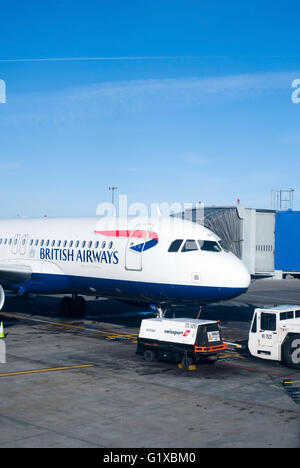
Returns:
(297, 314)
(189, 246)
(209, 246)
(175, 245)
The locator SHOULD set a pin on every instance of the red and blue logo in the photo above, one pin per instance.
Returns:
(150, 238)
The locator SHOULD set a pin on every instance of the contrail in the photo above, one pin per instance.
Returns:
(70, 59)
(151, 57)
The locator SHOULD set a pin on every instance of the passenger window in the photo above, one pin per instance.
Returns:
(175, 245)
(90, 244)
(59, 243)
(36, 242)
(189, 246)
(71, 243)
(83, 244)
(96, 244)
(31, 241)
(268, 321)
(65, 243)
(53, 243)
(110, 245)
(209, 246)
(103, 245)
(77, 244)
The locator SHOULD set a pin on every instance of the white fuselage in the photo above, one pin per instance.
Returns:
(125, 258)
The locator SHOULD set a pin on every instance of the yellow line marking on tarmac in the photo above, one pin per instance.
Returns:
(36, 371)
(108, 333)
(231, 355)
(66, 325)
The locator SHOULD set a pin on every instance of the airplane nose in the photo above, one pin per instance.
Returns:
(243, 276)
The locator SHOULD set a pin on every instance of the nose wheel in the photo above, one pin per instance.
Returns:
(73, 306)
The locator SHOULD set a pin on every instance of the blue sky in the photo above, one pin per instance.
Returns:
(184, 100)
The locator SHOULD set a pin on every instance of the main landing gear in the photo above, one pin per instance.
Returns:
(72, 306)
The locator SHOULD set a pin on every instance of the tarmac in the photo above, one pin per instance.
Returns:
(79, 383)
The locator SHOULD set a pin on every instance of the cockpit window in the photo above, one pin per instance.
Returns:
(210, 246)
(189, 245)
(224, 246)
(175, 245)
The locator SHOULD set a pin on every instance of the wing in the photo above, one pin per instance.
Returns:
(14, 272)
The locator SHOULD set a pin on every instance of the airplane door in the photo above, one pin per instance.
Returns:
(23, 244)
(135, 247)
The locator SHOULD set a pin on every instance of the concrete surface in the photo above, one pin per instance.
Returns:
(123, 401)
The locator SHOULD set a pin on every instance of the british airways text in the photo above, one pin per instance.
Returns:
(83, 256)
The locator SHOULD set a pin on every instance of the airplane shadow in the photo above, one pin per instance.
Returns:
(112, 311)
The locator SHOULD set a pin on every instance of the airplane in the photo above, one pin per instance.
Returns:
(158, 261)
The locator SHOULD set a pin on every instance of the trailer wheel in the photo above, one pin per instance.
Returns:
(211, 359)
(291, 351)
(149, 355)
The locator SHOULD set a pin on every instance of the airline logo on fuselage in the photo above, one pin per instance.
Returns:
(82, 256)
(150, 238)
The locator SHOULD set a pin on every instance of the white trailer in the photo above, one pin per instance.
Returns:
(275, 334)
(182, 340)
